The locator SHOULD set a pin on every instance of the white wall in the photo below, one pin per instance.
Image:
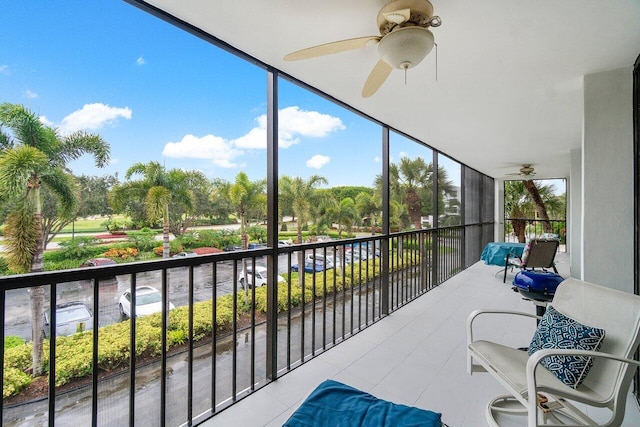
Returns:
(574, 214)
(607, 190)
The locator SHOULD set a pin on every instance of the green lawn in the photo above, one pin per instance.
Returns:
(88, 225)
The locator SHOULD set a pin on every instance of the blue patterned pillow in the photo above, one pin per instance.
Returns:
(557, 331)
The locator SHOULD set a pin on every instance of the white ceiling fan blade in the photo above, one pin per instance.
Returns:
(398, 16)
(376, 78)
(333, 47)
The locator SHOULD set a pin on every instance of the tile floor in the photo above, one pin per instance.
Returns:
(415, 356)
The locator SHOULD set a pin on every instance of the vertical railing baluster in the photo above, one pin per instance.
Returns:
(366, 288)
(360, 288)
(234, 327)
(190, 356)
(2, 326)
(336, 255)
(52, 353)
(344, 289)
(94, 356)
(289, 310)
(132, 353)
(324, 300)
(302, 304)
(163, 343)
(313, 304)
(352, 290)
(253, 325)
(214, 333)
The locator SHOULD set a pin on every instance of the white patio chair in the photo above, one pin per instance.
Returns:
(606, 384)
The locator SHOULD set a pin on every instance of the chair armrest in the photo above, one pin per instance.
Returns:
(476, 313)
(534, 362)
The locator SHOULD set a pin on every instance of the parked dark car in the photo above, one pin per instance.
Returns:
(310, 267)
(98, 262)
(232, 248)
(94, 262)
(184, 255)
(71, 318)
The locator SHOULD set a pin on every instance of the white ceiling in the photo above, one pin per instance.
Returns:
(510, 72)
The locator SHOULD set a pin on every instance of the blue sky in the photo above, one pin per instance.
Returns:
(155, 92)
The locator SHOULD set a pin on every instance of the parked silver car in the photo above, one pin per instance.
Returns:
(71, 318)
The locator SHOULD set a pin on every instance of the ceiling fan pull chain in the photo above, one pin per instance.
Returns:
(405, 76)
(436, 45)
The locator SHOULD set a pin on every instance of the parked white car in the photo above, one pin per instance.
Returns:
(148, 301)
(259, 277)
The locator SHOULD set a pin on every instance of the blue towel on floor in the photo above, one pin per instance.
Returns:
(334, 404)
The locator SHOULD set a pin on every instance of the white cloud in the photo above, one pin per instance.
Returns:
(93, 116)
(293, 122)
(30, 95)
(4, 69)
(140, 60)
(214, 148)
(376, 159)
(318, 161)
(255, 138)
(45, 121)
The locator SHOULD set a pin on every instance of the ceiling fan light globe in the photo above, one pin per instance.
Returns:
(406, 47)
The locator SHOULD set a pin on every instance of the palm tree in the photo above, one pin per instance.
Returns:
(248, 197)
(344, 214)
(158, 188)
(519, 205)
(369, 204)
(34, 156)
(301, 197)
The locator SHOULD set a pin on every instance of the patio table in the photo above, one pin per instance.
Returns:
(496, 252)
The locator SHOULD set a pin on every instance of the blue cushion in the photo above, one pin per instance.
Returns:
(557, 331)
(334, 404)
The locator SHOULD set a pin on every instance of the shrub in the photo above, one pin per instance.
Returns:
(14, 380)
(12, 341)
(258, 233)
(143, 240)
(78, 248)
(284, 227)
(126, 253)
(114, 226)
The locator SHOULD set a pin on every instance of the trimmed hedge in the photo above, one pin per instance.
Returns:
(74, 353)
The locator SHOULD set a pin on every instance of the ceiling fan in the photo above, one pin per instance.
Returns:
(404, 41)
(525, 170)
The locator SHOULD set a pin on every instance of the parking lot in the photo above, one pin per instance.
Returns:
(18, 312)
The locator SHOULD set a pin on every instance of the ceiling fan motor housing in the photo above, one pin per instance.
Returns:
(421, 13)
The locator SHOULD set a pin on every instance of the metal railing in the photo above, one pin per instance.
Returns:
(183, 365)
(532, 228)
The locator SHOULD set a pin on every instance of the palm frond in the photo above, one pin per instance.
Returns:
(65, 190)
(21, 236)
(18, 165)
(24, 124)
(80, 143)
(158, 198)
